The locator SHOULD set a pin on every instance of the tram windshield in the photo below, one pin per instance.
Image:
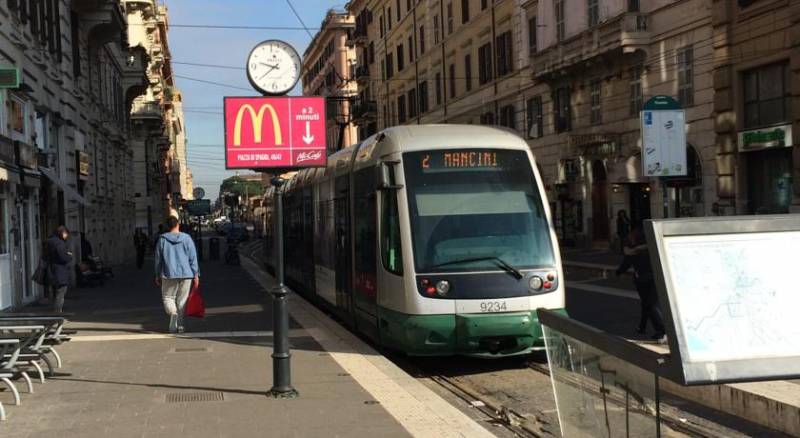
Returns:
(471, 208)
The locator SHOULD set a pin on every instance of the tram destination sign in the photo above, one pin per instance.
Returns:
(275, 132)
(453, 160)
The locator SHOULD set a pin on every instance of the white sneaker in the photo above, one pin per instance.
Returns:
(181, 329)
(173, 323)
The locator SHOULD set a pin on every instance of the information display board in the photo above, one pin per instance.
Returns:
(199, 207)
(729, 291)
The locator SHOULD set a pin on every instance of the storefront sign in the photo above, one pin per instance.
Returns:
(199, 207)
(83, 164)
(776, 137)
(9, 77)
(27, 155)
(663, 138)
(275, 132)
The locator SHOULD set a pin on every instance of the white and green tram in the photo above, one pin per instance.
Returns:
(429, 239)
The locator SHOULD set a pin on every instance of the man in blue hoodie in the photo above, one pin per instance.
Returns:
(177, 271)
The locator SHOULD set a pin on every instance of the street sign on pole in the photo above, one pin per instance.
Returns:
(663, 138)
(199, 207)
(275, 132)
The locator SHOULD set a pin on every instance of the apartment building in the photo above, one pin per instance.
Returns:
(757, 105)
(328, 65)
(65, 155)
(159, 132)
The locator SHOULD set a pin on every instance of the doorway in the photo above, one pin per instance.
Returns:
(600, 227)
(639, 201)
(769, 181)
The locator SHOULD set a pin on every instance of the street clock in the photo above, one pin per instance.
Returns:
(273, 67)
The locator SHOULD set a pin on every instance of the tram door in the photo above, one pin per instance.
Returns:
(364, 251)
(341, 222)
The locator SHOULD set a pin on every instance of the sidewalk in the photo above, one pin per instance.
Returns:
(123, 376)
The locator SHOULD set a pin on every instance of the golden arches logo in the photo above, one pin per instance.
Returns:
(257, 118)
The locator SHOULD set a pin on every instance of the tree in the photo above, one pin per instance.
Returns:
(241, 186)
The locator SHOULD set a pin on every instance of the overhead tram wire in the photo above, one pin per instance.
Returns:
(308, 31)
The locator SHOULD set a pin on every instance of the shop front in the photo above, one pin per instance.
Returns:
(767, 158)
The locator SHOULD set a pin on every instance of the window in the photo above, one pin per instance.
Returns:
(400, 58)
(18, 119)
(76, 47)
(452, 80)
(468, 71)
(633, 5)
(508, 117)
(484, 4)
(41, 130)
(766, 96)
(365, 234)
(382, 28)
(636, 99)
(594, 13)
(421, 40)
(487, 118)
(535, 124)
(450, 18)
(392, 251)
(383, 69)
(388, 19)
(485, 63)
(562, 109)
(686, 76)
(399, 15)
(401, 109)
(436, 30)
(412, 103)
(410, 49)
(560, 27)
(532, 44)
(371, 53)
(423, 97)
(438, 86)
(595, 109)
(505, 57)
(464, 11)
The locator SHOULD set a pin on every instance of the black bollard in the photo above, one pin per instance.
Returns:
(281, 357)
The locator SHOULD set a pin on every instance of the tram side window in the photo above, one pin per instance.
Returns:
(390, 230)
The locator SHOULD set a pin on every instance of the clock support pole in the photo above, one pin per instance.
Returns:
(281, 357)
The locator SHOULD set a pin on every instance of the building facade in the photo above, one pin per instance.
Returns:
(327, 66)
(65, 155)
(757, 105)
(571, 76)
(158, 129)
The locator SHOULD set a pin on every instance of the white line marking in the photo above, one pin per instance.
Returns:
(197, 335)
(603, 290)
(417, 408)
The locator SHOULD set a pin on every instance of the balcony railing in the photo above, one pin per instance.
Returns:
(364, 110)
(146, 110)
(625, 33)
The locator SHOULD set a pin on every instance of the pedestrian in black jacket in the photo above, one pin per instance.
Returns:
(58, 259)
(638, 256)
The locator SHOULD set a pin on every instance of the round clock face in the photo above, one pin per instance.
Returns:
(273, 67)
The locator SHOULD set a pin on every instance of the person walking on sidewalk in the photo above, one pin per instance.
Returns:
(58, 259)
(638, 256)
(140, 243)
(177, 271)
(623, 228)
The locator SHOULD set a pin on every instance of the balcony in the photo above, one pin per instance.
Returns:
(363, 111)
(624, 34)
(146, 111)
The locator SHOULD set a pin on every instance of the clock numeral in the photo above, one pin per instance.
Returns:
(253, 66)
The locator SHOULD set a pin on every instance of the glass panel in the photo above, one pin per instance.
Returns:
(771, 111)
(750, 86)
(475, 204)
(599, 395)
(3, 228)
(390, 228)
(770, 82)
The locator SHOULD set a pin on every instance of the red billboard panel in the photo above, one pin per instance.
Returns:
(274, 132)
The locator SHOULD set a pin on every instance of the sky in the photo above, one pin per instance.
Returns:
(229, 47)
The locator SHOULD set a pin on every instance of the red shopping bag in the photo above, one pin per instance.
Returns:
(195, 305)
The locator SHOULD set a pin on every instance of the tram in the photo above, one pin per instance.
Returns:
(430, 239)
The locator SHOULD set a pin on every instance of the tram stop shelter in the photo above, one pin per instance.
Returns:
(727, 289)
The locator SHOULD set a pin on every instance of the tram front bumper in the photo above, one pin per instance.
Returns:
(483, 335)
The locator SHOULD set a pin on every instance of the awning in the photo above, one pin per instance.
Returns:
(69, 192)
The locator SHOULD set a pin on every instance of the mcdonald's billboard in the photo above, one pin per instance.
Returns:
(274, 132)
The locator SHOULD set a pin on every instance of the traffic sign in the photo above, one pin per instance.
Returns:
(199, 207)
(198, 193)
(275, 132)
(663, 138)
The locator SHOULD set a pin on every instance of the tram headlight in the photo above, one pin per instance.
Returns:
(442, 287)
(535, 283)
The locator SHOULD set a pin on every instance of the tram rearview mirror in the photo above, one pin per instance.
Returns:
(383, 176)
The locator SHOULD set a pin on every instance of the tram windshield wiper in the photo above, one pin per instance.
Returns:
(500, 262)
